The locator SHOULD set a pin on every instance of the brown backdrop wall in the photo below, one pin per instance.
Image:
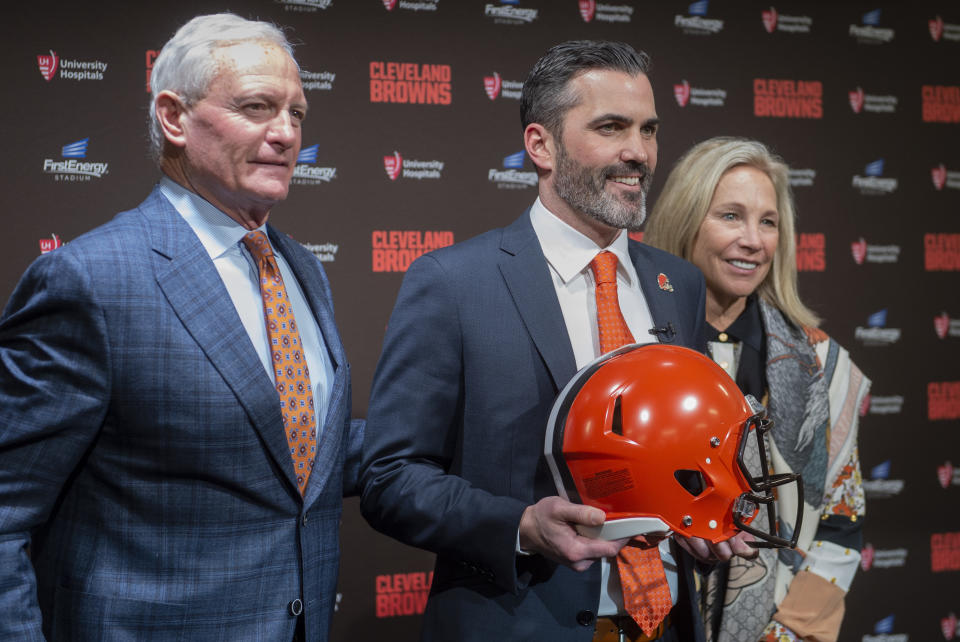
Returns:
(861, 98)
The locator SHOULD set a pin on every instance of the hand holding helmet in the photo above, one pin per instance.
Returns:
(657, 437)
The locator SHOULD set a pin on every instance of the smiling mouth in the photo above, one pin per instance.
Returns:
(743, 265)
(626, 180)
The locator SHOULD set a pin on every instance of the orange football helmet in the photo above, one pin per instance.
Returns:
(655, 436)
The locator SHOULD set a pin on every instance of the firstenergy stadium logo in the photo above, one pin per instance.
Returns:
(306, 174)
(873, 182)
(510, 13)
(73, 169)
(697, 24)
(512, 176)
(870, 31)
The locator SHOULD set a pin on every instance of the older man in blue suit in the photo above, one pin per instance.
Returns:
(486, 333)
(175, 432)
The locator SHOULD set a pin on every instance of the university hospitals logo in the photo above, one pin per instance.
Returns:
(602, 12)
(862, 251)
(773, 21)
(942, 177)
(587, 9)
(943, 400)
(317, 80)
(50, 244)
(948, 475)
(882, 405)
(940, 29)
(72, 169)
(412, 5)
(684, 94)
(870, 32)
(398, 167)
(871, 557)
(393, 164)
(305, 174)
(70, 69)
(945, 327)
(861, 101)
(512, 176)
(495, 86)
(48, 65)
(949, 627)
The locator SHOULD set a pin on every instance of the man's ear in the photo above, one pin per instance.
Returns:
(540, 145)
(170, 112)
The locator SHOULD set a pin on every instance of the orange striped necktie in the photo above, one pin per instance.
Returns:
(646, 593)
(289, 361)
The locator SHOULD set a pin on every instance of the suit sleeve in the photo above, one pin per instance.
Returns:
(413, 433)
(54, 386)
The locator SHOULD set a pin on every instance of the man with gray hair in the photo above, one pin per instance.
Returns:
(175, 432)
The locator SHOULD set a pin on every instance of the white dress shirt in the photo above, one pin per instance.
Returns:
(569, 253)
(221, 237)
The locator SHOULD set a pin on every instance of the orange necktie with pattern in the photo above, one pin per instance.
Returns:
(289, 362)
(646, 594)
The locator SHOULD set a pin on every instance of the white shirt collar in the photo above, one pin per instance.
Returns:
(570, 252)
(218, 233)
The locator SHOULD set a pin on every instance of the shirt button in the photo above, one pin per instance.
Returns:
(586, 618)
(296, 607)
(723, 336)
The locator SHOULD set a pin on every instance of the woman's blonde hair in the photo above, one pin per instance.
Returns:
(681, 208)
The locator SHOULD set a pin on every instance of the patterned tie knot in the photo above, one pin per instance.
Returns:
(604, 267)
(257, 244)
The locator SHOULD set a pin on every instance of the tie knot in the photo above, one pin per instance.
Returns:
(258, 244)
(604, 267)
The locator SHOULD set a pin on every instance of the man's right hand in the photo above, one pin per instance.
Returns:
(549, 528)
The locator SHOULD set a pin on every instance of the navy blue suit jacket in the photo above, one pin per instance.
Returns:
(475, 354)
(142, 451)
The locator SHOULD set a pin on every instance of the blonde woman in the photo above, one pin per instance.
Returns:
(727, 207)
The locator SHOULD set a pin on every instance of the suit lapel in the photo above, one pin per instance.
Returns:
(310, 276)
(527, 276)
(660, 298)
(195, 291)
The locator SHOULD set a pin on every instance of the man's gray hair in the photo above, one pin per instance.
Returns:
(546, 96)
(186, 65)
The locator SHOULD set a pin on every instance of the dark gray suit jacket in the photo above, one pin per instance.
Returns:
(475, 354)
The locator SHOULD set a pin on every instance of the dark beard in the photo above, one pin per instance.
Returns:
(582, 188)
